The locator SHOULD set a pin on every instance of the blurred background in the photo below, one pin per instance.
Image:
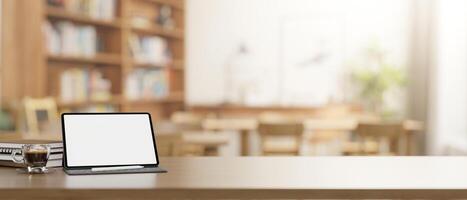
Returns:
(244, 77)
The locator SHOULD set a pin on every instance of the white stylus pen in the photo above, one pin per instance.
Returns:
(100, 169)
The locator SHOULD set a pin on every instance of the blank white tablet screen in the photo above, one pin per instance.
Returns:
(108, 139)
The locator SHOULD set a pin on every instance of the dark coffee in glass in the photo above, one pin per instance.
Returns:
(36, 158)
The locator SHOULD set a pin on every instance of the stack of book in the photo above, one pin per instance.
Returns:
(97, 9)
(80, 84)
(68, 39)
(145, 84)
(8, 146)
(150, 50)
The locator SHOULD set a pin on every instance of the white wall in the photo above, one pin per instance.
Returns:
(215, 28)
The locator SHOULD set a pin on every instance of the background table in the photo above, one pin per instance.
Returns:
(257, 178)
(245, 126)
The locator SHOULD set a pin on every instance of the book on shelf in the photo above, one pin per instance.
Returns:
(93, 108)
(68, 39)
(165, 18)
(79, 85)
(147, 84)
(97, 9)
(150, 50)
(140, 21)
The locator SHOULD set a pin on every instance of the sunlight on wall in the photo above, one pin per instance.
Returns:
(278, 34)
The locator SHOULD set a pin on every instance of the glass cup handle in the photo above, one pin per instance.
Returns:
(48, 151)
(14, 157)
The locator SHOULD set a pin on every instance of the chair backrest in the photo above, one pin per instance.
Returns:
(379, 133)
(318, 124)
(379, 130)
(326, 136)
(278, 129)
(40, 113)
(281, 131)
(187, 120)
(174, 140)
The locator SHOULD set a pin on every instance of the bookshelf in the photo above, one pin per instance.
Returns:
(113, 59)
(58, 13)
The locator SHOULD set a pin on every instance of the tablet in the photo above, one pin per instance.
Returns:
(105, 140)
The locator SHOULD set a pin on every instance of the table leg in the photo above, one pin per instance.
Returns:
(245, 143)
(408, 141)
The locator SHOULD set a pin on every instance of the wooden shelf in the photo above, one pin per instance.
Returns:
(176, 65)
(174, 4)
(113, 101)
(148, 65)
(101, 58)
(173, 98)
(155, 30)
(59, 13)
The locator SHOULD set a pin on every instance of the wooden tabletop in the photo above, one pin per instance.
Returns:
(251, 124)
(258, 178)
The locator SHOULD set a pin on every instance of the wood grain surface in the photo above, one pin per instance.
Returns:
(257, 178)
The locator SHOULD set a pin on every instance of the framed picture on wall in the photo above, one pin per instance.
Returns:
(313, 53)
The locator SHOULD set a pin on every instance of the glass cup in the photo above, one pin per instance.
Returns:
(34, 156)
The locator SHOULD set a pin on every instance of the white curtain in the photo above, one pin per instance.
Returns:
(448, 82)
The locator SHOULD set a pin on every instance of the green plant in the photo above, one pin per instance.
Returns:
(376, 78)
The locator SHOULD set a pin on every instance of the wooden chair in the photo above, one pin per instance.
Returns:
(188, 144)
(175, 141)
(280, 138)
(202, 144)
(198, 139)
(328, 128)
(326, 136)
(41, 115)
(187, 120)
(376, 139)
